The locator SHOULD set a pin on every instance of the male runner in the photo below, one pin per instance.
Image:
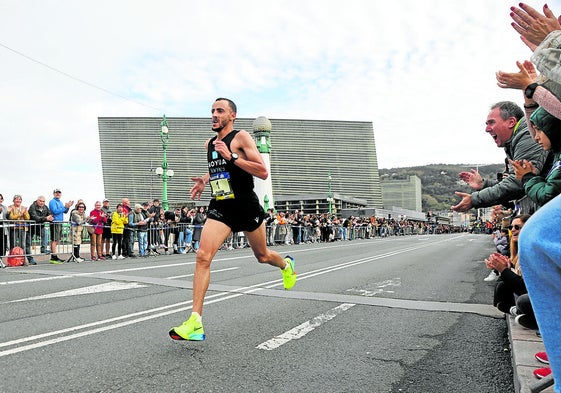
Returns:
(233, 160)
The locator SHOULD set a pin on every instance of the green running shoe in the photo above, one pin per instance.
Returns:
(191, 330)
(288, 273)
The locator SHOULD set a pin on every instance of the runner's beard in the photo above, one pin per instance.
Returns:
(220, 126)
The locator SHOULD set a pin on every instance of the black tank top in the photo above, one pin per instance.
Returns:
(240, 182)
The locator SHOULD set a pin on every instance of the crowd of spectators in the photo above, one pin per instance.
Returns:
(526, 197)
(297, 227)
(112, 232)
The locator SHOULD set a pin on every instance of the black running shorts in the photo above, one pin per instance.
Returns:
(242, 214)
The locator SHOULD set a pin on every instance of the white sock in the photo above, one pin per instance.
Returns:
(197, 315)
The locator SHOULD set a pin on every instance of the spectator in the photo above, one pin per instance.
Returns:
(18, 231)
(155, 238)
(128, 234)
(540, 254)
(40, 213)
(271, 226)
(282, 228)
(501, 242)
(58, 209)
(98, 218)
(106, 235)
(307, 229)
(508, 127)
(541, 34)
(185, 233)
(139, 220)
(78, 219)
(532, 26)
(326, 229)
(345, 229)
(118, 222)
(548, 135)
(510, 284)
(296, 224)
(170, 227)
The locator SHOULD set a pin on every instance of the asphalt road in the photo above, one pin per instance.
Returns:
(400, 314)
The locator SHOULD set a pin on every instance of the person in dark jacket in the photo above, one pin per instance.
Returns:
(507, 126)
(40, 213)
(510, 284)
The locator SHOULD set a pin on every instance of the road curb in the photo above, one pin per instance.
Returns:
(524, 344)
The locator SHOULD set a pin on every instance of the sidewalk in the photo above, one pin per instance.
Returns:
(524, 344)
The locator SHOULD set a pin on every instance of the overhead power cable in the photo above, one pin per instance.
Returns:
(80, 80)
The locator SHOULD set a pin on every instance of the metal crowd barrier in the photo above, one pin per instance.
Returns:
(34, 238)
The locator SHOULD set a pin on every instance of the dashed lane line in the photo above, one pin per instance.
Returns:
(303, 329)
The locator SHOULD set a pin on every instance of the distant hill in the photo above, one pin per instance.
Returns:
(439, 181)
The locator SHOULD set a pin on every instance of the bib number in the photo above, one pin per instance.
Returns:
(221, 186)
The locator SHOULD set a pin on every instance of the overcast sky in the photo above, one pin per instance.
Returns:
(421, 71)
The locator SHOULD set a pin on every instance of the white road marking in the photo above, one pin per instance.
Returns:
(106, 287)
(71, 275)
(33, 280)
(174, 308)
(171, 309)
(303, 329)
(381, 288)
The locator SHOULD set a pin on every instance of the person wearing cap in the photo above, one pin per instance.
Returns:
(58, 209)
(106, 235)
(548, 135)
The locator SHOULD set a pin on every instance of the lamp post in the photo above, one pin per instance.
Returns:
(329, 192)
(163, 171)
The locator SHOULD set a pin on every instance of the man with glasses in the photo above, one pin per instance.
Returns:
(40, 213)
(58, 209)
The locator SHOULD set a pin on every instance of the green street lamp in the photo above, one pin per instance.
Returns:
(163, 171)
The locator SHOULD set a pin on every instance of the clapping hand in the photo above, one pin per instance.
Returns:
(522, 167)
(472, 178)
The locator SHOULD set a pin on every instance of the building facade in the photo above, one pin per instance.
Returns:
(404, 193)
(303, 155)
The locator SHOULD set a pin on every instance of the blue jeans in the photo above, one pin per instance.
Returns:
(540, 260)
(142, 242)
(185, 239)
(44, 238)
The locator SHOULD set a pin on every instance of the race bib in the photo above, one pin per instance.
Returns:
(221, 186)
